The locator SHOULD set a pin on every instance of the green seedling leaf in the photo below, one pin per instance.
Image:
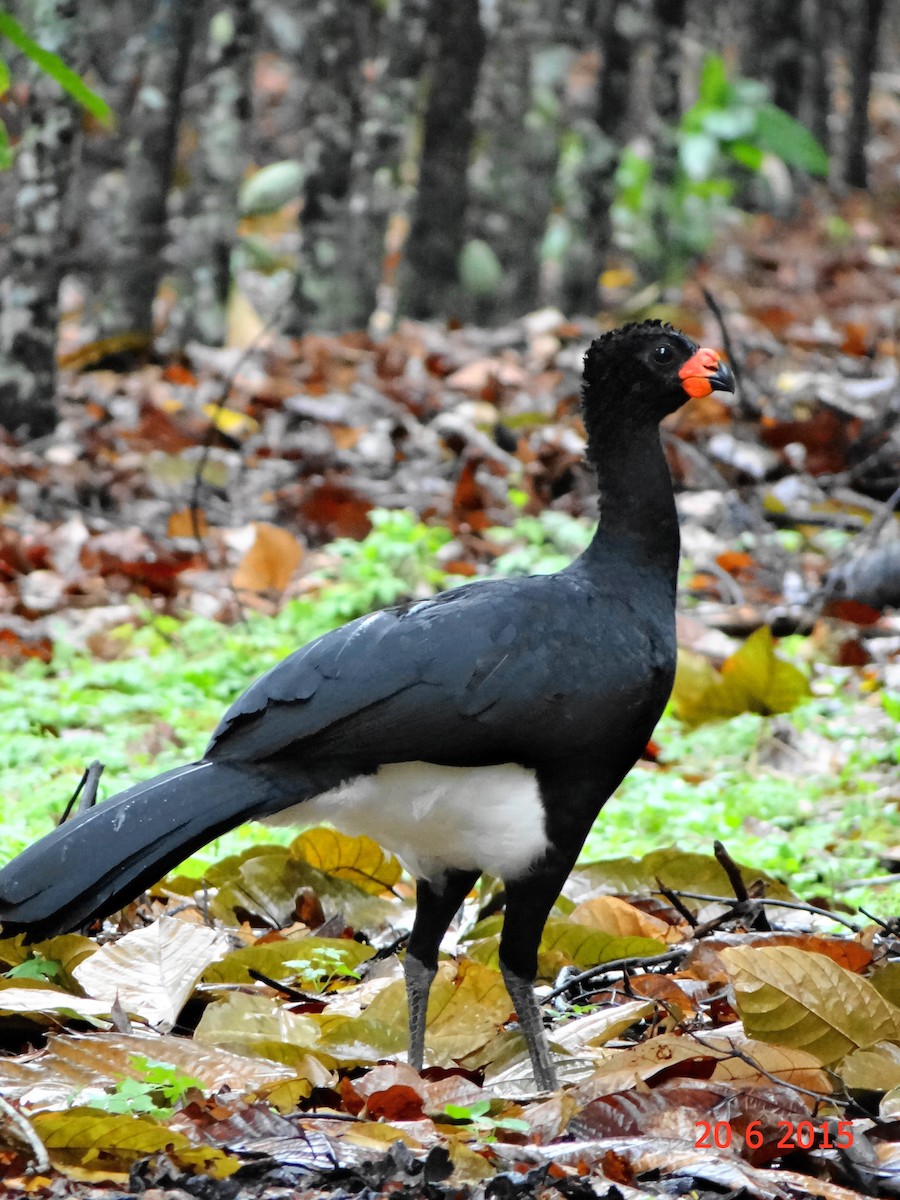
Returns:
(54, 66)
(777, 132)
(36, 967)
(480, 271)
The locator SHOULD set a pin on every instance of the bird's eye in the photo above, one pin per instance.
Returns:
(663, 354)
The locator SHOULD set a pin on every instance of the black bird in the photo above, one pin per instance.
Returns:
(480, 731)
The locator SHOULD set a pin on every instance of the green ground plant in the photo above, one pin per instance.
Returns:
(154, 706)
(667, 215)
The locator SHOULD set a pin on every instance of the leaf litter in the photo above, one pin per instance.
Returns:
(248, 1029)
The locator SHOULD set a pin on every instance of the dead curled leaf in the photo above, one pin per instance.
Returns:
(753, 679)
(152, 971)
(270, 562)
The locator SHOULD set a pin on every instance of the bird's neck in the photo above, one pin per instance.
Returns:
(638, 521)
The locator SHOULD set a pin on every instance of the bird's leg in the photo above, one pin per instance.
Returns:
(419, 978)
(436, 905)
(528, 901)
(521, 992)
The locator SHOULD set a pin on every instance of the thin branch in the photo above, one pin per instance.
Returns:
(88, 784)
(227, 383)
(677, 903)
(19, 1122)
(618, 964)
(746, 406)
(285, 989)
(732, 870)
(742, 1056)
(797, 904)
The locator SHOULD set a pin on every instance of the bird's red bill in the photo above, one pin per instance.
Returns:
(697, 373)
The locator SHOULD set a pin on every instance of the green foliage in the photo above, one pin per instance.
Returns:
(666, 220)
(480, 271)
(52, 65)
(321, 965)
(486, 1126)
(158, 1094)
(34, 967)
(154, 707)
(395, 560)
(540, 545)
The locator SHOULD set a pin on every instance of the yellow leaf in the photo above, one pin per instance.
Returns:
(467, 1004)
(270, 562)
(753, 679)
(82, 1136)
(565, 944)
(805, 1000)
(675, 869)
(613, 915)
(616, 277)
(357, 859)
(229, 422)
(244, 324)
(875, 1069)
(310, 959)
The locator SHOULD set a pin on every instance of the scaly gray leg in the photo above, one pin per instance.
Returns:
(436, 905)
(528, 1011)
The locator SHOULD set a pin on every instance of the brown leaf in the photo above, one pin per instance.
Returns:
(335, 510)
(613, 915)
(270, 562)
(187, 523)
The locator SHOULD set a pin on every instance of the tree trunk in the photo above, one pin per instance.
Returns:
(864, 60)
(224, 107)
(39, 237)
(336, 38)
(518, 117)
(431, 275)
(141, 233)
(815, 103)
(620, 28)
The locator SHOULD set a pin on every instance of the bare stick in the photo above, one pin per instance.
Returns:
(28, 1134)
(87, 784)
(617, 964)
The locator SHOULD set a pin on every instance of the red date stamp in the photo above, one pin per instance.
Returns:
(795, 1135)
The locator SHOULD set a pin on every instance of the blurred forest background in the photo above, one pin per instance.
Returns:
(337, 164)
(294, 300)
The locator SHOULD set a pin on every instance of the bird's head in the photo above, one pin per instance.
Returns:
(638, 374)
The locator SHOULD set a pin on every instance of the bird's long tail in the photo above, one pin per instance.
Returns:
(96, 863)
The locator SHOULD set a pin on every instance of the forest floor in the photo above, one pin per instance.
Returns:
(191, 521)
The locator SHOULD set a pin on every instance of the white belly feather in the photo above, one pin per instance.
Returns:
(432, 817)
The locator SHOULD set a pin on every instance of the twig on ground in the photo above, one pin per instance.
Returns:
(733, 871)
(742, 1056)
(87, 784)
(767, 900)
(28, 1134)
(746, 406)
(618, 964)
(267, 327)
(285, 989)
(677, 903)
(737, 908)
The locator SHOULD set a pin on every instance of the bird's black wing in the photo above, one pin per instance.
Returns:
(469, 677)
